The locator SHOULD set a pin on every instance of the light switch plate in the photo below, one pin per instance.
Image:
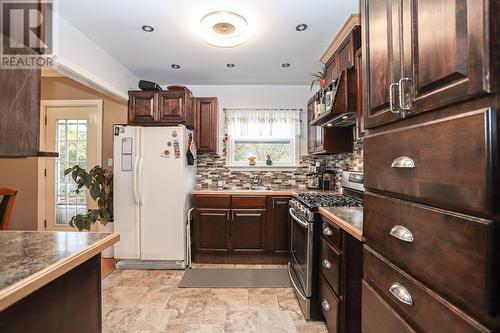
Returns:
(110, 162)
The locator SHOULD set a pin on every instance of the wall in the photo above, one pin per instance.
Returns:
(258, 96)
(21, 174)
(113, 111)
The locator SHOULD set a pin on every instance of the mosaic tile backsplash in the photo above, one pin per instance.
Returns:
(212, 168)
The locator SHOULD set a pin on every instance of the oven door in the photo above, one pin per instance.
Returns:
(301, 260)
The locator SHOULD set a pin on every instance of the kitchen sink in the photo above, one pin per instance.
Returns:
(247, 188)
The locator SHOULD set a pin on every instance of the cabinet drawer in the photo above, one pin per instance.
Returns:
(329, 305)
(446, 249)
(446, 163)
(248, 201)
(425, 308)
(377, 316)
(329, 263)
(212, 201)
(331, 232)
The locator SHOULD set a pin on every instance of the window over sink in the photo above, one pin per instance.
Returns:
(266, 134)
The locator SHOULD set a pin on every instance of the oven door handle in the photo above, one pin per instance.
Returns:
(304, 224)
(293, 282)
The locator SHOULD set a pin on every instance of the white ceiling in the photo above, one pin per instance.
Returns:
(115, 25)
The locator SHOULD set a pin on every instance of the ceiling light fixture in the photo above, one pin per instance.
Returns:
(301, 27)
(230, 65)
(147, 28)
(285, 65)
(175, 66)
(224, 29)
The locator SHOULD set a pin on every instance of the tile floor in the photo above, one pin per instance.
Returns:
(137, 301)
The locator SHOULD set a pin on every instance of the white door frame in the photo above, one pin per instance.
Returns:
(42, 162)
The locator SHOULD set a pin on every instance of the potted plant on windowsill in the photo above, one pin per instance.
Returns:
(99, 183)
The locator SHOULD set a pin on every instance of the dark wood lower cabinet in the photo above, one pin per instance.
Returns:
(241, 229)
(340, 265)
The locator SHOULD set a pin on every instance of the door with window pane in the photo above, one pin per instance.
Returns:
(71, 132)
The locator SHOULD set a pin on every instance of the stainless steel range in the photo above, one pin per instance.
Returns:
(305, 232)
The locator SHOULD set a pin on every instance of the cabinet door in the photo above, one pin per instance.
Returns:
(211, 230)
(382, 63)
(206, 124)
(248, 230)
(281, 225)
(172, 107)
(319, 139)
(311, 130)
(445, 51)
(142, 107)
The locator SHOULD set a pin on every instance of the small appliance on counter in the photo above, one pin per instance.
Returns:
(315, 180)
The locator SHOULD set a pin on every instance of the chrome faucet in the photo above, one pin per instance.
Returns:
(256, 180)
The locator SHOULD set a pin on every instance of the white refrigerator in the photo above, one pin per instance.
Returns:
(152, 190)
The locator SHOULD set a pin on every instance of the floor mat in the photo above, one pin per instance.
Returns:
(235, 278)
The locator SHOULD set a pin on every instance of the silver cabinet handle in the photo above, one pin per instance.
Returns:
(325, 304)
(402, 233)
(327, 264)
(403, 162)
(391, 97)
(402, 103)
(401, 293)
(327, 231)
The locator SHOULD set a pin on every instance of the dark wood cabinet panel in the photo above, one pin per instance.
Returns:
(172, 107)
(142, 107)
(330, 265)
(382, 63)
(311, 130)
(446, 54)
(281, 225)
(205, 115)
(248, 201)
(329, 304)
(378, 316)
(452, 163)
(465, 240)
(248, 230)
(212, 230)
(424, 308)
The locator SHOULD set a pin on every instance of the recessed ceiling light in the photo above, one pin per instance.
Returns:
(175, 66)
(329, 125)
(285, 65)
(345, 117)
(148, 28)
(224, 29)
(301, 27)
(230, 65)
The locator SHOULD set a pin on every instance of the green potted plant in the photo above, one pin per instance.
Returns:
(319, 77)
(99, 183)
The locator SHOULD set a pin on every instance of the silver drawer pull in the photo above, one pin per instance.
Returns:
(401, 293)
(402, 233)
(325, 304)
(327, 231)
(327, 264)
(403, 162)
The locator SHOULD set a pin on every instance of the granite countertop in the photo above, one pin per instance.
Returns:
(349, 219)
(31, 259)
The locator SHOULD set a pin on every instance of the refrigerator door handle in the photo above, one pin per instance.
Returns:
(139, 177)
(135, 180)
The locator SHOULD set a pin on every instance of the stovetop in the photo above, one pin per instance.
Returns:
(313, 200)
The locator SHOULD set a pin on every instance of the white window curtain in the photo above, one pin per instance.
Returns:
(278, 123)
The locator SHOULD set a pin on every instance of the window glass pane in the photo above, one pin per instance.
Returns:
(278, 151)
(71, 144)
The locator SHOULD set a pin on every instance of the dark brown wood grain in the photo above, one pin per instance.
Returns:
(332, 273)
(251, 201)
(331, 315)
(453, 158)
(335, 238)
(71, 303)
(142, 107)
(428, 312)
(211, 230)
(378, 316)
(205, 124)
(248, 231)
(173, 106)
(465, 241)
(280, 223)
(211, 201)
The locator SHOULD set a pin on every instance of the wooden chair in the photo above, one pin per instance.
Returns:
(8, 197)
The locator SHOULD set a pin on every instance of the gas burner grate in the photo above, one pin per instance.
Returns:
(322, 199)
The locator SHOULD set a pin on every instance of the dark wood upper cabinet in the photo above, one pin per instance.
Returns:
(427, 60)
(142, 107)
(205, 124)
(173, 106)
(156, 108)
(311, 130)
